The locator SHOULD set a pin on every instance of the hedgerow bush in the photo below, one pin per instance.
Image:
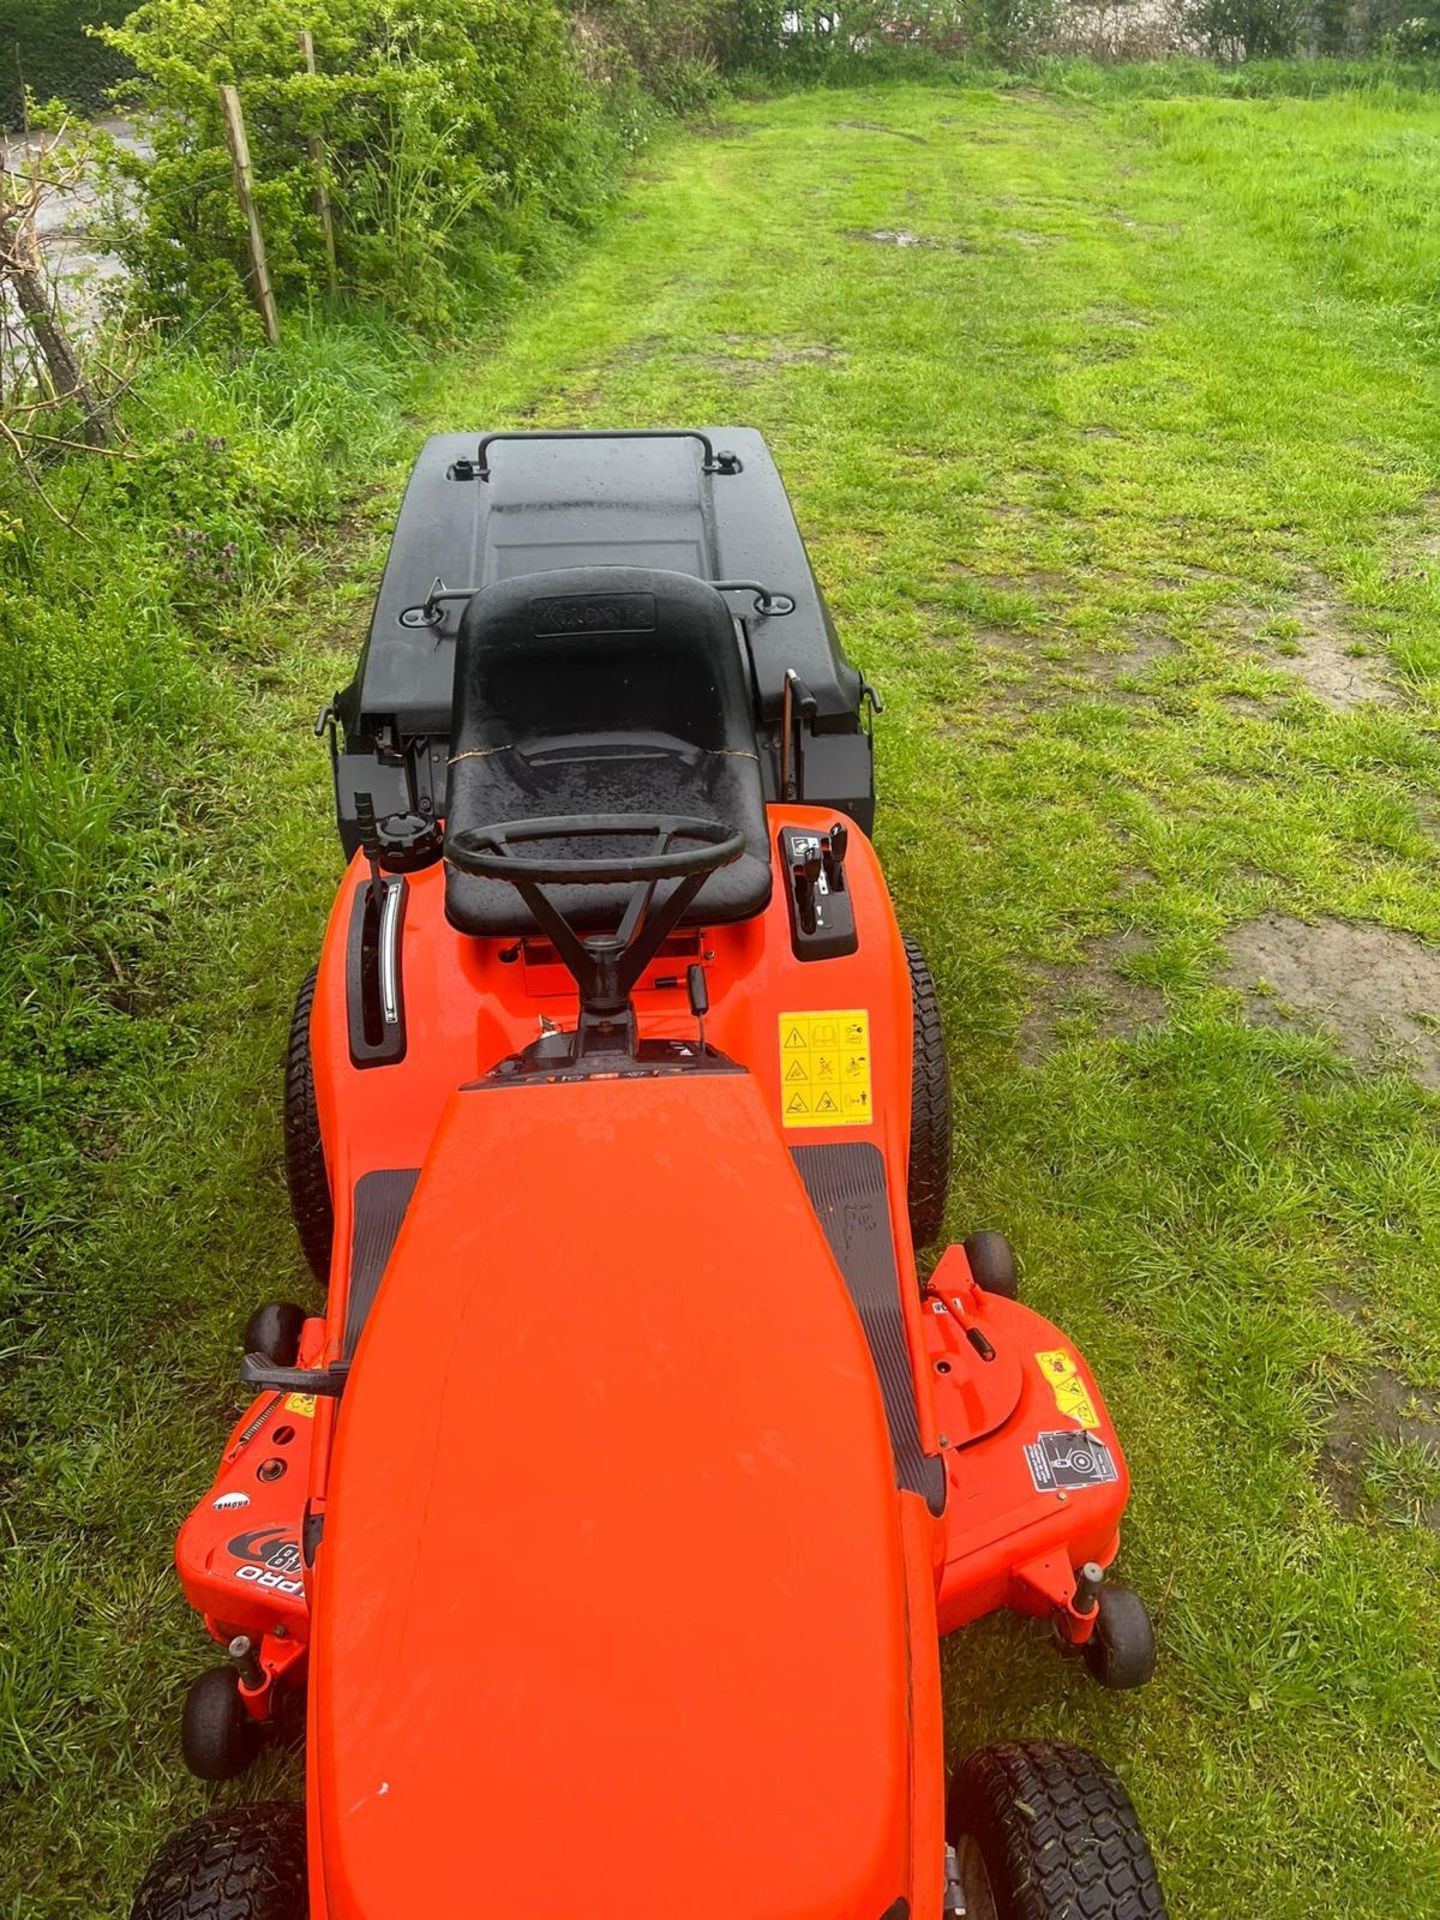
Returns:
(46, 48)
(453, 135)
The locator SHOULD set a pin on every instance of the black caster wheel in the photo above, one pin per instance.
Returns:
(218, 1738)
(1120, 1652)
(992, 1262)
(274, 1332)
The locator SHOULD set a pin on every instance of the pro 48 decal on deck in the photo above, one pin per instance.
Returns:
(825, 1069)
(1059, 1462)
(270, 1558)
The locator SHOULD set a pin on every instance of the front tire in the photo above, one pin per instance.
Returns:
(305, 1173)
(244, 1863)
(930, 1106)
(1047, 1832)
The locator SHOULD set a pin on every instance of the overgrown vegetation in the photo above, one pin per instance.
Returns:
(46, 48)
(453, 139)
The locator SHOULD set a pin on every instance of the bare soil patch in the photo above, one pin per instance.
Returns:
(1144, 649)
(1040, 583)
(755, 358)
(1325, 655)
(1374, 990)
(1026, 672)
(1388, 1408)
(874, 126)
(902, 237)
(1094, 989)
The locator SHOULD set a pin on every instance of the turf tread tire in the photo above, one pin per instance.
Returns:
(305, 1174)
(1058, 1834)
(930, 1106)
(240, 1863)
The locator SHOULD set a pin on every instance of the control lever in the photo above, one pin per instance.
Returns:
(807, 880)
(370, 842)
(836, 841)
(698, 989)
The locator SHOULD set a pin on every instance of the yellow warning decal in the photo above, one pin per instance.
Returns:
(1072, 1396)
(301, 1403)
(825, 1069)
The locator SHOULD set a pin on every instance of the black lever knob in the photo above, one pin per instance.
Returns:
(365, 820)
(806, 874)
(836, 841)
(698, 989)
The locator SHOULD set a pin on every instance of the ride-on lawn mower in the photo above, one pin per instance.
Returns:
(610, 1513)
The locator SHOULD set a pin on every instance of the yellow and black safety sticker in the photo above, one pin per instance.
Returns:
(301, 1403)
(1072, 1396)
(825, 1069)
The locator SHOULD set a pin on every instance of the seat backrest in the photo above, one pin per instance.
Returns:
(603, 690)
(600, 651)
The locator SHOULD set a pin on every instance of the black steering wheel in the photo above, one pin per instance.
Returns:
(489, 852)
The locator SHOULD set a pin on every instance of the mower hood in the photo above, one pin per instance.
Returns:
(610, 1611)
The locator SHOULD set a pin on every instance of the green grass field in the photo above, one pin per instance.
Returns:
(1113, 425)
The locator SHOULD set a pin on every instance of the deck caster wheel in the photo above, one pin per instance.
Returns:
(992, 1264)
(1045, 1832)
(245, 1862)
(274, 1332)
(218, 1738)
(1121, 1651)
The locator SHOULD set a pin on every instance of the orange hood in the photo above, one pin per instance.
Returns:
(610, 1612)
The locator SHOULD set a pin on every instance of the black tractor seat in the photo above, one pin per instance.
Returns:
(603, 690)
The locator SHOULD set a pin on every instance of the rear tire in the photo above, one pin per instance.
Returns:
(930, 1106)
(1047, 1832)
(305, 1173)
(244, 1863)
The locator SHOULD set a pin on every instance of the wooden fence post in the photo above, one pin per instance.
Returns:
(317, 162)
(245, 194)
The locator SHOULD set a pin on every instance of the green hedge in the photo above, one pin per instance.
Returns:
(46, 41)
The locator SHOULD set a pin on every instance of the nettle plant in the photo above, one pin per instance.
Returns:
(438, 123)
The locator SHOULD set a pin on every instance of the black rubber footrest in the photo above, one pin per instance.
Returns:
(380, 1202)
(846, 1184)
